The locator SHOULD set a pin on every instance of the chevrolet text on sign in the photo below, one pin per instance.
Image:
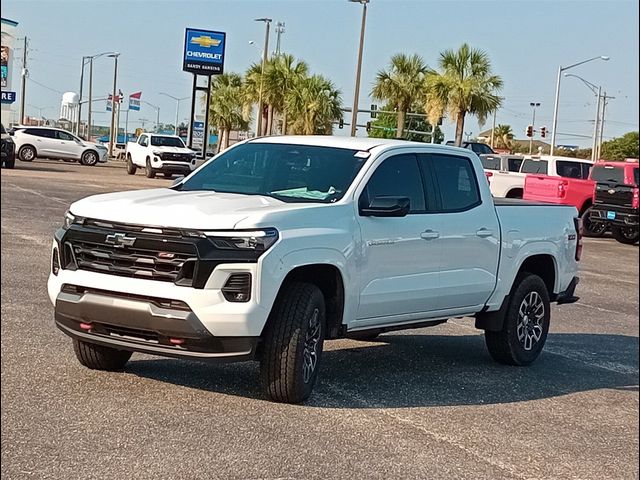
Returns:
(203, 52)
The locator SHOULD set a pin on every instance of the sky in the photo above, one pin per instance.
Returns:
(526, 42)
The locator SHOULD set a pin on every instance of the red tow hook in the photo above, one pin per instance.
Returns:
(176, 341)
(86, 326)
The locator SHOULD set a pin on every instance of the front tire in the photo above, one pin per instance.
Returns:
(526, 324)
(148, 170)
(131, 168)
(293, 344)
(89, 158)
(626, 235)
(99, 357)
(593, 229)
(10, 163)
(27, 153)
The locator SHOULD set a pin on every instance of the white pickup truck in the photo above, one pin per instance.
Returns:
(156, 153)
(280, 243)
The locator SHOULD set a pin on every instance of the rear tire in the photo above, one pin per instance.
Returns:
(99, 357)
(293, 344)
(148, 170)
(626, 235)
(27, 153)
(593, 229)
(131, 168)
(526, 323)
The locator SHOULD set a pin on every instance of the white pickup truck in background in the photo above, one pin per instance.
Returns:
(158, 153)
(279, 243)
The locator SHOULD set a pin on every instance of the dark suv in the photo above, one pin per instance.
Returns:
(615, 200)
(8, 149)
(478, 147)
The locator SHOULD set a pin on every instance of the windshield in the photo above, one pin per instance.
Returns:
(534, 166)
(608, 174)
(159, 141)
(292, 173)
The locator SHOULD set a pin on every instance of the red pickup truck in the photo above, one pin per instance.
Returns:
(566, 182)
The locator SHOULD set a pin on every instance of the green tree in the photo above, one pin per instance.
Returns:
(282, 75)
(401, 85)
(313, 104)
(502, 136)
(464, 85)
(385, 126)
(226, 106)
(626, 146)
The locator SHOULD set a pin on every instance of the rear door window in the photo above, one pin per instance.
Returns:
(608, 174)
(490, 163)
(535, 166)
(569, 169)
(456, 182)
(514, 164)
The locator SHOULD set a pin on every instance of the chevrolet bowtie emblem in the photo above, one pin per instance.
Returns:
(612, 191)
(120, 240)
(206, 41)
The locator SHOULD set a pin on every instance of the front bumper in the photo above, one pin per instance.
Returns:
(144, 324)
(169, 166)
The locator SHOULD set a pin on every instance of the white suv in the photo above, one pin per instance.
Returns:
(47, 142)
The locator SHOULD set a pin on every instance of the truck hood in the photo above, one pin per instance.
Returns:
(172, 149)
(164, 207)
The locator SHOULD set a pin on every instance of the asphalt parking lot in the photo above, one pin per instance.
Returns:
(427, 403)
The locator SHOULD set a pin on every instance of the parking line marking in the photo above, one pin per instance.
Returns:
(35, 192)
(586, 305)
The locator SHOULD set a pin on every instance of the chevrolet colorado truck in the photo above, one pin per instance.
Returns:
(156, 153)
(616, 198)
(280, 243)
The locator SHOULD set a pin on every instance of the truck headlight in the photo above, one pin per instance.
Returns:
(255, 240)
(70, 219)
(157, 153)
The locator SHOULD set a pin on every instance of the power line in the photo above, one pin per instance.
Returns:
(44, 86)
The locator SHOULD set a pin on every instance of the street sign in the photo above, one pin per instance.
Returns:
(203, 52)
(8, 97)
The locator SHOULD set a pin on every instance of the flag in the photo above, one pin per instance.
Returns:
(134, 101)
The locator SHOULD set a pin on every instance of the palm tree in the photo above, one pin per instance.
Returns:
(465, 84)
(401, 85)
(313, 104)
(503, 134)
(281, 76)
(226, 106)
(254, 90)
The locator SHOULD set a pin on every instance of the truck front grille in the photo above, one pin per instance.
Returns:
(132, 262)
(176, 157)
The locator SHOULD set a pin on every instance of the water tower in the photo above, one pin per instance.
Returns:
(69, 107)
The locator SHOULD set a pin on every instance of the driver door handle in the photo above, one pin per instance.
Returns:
(483, 232)
(429, 235)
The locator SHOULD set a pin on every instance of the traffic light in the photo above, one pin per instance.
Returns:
(529, 130)
(543, 132)
(341, 123)
(368, 127)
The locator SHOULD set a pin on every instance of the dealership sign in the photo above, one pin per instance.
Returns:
(134, 101)
(8, 97)
(203, 52)
(198, 135)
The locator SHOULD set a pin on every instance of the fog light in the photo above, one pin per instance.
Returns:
(237, 288)
(55, 261)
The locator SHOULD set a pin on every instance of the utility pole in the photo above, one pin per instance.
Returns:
(605, 100)
(89, 124)
(25, 72)
(354, 111)
(114, 134)
(265, 54)
(594, 145)
(143, 121)
(493, 129)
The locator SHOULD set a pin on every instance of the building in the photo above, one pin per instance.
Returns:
(9, 82)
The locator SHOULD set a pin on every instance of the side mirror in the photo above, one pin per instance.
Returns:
(177, 180)
(387, 207)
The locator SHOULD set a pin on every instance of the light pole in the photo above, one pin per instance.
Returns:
(265, 53)
(157, 109)
(597, 91)
(178, 100)
(114, 135)
(354, 112)
(88, 59)
(279, 31)
(533, 106)
(557, 99)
